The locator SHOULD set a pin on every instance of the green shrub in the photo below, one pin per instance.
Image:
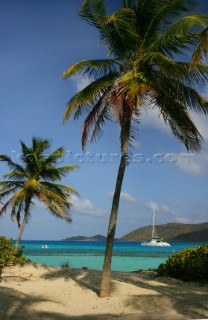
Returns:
(65, 264)
(188, 265)
(9, 255)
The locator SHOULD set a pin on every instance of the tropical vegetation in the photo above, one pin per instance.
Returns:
(189, 264)
(34, 180)
(9, 254)
(146, 69)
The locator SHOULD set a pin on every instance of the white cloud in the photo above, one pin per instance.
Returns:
(194, 164)
(126, 197)
(86, 207)
(183, 220)
(151, 204)
(201, 122)
(162, 208)
(152, 118)
(165, 214)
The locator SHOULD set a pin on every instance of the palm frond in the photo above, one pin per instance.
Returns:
(94, 68)
(201, 49)
(36, 186)
(166, 64)
(17, 176)
(184, 72)
(61, 189)
(19, 196)
(176, 116)
(28, 203)
(12, 165)
(178, 91)
(66, 169)
(6, 184)
(186, 132)
(173, 69)
(121, 25)
(25, 151)
(63, 213)
(40, 145)
(5, 207)
(54, 157)
(198, 75)
(4, 193)
(57, 209)
(18, 214)
(89, 94)
(152, 15)
(91, 129)
(51, 173)
(180, 33)
(93, 12)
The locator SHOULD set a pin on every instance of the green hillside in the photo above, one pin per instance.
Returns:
(171, 232)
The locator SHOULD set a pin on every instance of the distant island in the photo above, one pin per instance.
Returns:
(169, 231)
(97, 237)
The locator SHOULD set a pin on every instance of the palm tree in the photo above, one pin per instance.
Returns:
(34, 179)
(143, 40)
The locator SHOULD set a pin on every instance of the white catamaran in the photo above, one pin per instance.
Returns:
(155, 241)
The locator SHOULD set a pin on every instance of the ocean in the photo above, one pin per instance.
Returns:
(127, 256)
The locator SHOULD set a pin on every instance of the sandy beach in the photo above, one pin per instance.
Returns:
(38, 292)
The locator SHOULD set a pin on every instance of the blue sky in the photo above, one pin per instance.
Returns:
(39, 40)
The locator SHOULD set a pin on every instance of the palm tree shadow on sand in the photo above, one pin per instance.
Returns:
(82, 277)
(17, 306)
(184, 299)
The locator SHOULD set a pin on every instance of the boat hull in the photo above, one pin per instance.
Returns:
(155, 244)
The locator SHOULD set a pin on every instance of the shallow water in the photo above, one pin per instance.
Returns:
(127, 256)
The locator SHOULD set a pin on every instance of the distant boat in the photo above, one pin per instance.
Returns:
(44, 246)
(155, 241)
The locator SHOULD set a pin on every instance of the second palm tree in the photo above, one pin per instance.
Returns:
(34, 179)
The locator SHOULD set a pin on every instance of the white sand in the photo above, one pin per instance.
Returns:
(35, 292)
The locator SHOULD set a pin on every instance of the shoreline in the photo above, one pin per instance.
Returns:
(54, 293)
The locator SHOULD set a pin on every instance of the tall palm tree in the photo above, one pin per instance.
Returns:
(143, 39)
(34, 179)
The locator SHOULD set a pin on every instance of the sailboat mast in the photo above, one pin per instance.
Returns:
(153, 220)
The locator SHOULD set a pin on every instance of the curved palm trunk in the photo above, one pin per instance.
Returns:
(27, 206)
(21, 231)
(105, 279)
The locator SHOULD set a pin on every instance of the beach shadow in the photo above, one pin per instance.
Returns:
(83, 277)
(14, 302)
(183, 300)
(167, 293)
(187, 300)
(15, 305)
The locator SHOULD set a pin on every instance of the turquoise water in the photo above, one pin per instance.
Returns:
(127, 256)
